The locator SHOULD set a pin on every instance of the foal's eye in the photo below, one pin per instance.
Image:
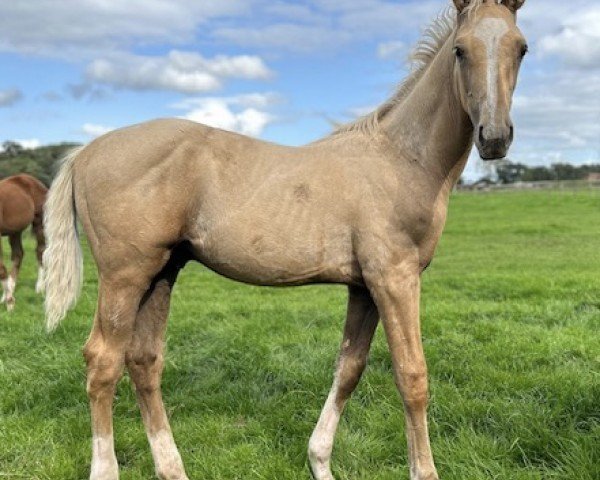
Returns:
(459, 52)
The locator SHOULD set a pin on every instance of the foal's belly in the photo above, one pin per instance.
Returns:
(266, 253)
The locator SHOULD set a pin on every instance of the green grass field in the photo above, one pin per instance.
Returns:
(511, 325)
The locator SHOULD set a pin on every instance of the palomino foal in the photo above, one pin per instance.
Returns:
(153, 196)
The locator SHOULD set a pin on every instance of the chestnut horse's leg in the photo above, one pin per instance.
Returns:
(361, 322)
(3, 275)
(145, 364)
(38, 231)
(16, 255)
(396, 291)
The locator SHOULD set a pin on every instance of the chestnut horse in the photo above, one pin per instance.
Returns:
(364, 206)
(22, 200)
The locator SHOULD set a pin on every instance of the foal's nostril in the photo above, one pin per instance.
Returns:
(481, 139)
(511, 134)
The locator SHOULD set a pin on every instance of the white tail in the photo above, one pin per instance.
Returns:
(63, 262)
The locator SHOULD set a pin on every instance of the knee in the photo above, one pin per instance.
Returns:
(90, 351)
(145, 369)
(350, 371)
(103, 372)
(3, 273)
(102, 381)
(413, 385)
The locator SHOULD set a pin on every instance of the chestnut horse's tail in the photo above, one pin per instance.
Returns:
(63, 262)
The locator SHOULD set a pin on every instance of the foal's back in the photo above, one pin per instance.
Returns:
(251, 210)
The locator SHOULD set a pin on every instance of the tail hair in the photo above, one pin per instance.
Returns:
(62, 260)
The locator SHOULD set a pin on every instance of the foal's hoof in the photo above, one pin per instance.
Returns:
(10, 304)
(320, 472)
(108, 475)
(111, 473)
(426, 476)
(172, 475)
(105, 468)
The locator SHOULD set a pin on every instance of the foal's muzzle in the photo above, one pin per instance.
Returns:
(493, 142)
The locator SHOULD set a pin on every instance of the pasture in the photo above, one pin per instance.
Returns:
(511, 327)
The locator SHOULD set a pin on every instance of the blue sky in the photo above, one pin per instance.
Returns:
(278, 70)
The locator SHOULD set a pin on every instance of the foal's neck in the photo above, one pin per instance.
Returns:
(429, 125)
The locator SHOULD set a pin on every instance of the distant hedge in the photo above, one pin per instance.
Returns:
(509, 172)
(40, 162)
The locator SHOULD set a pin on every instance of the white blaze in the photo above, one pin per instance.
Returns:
(491, 31)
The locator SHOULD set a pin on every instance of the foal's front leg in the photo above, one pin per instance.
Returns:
(361, 321)
(396, 291)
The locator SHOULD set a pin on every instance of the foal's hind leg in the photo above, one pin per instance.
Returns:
(361, 322)
(38, 231)
(104, 352)
(16, 247)
(145, 364)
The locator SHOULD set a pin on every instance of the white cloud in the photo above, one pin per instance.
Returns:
(559, 113)
(285, 36)
(80, 29)
(29, 143)
(243, 113)
(538, 19)
(219, 114)
(578, 41)
(395, 50)
(185, 72)
(93, 130)
(330, 24)
(295, 12)
(254, 100)
(10, 97)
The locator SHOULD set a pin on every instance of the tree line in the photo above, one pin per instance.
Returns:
(39, 162)
(509, 172)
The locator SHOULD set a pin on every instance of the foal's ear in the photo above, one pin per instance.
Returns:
(513, 5)
(462, 4)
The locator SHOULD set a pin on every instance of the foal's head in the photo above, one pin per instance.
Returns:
(489, 49)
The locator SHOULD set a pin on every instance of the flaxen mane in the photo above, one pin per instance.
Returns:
(433, 39)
